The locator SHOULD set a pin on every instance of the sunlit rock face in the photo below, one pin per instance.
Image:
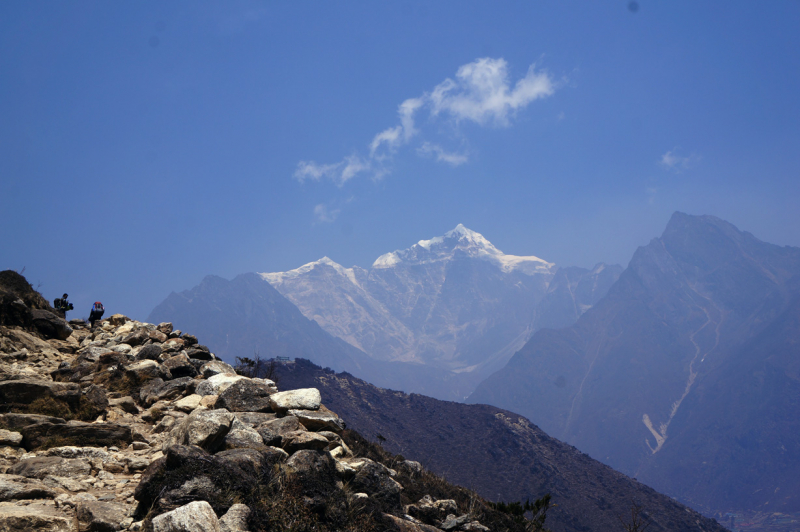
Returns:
(454, 303)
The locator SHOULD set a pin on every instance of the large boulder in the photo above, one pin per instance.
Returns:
(246, 395)
(396, 524)
(272, 431)
(250, 459)
(296, 441)
(241, 435)
(158, 390)
(215, 367)
(432, 512)
(301, 399)
(315, 474)
(95, 516)
(196, 516)
(19, 487)
(8, 437)
(235, 520)
(180, 366)
(147, 370)
(149, 352)
(316, 420)
(137, 337)
(37, 516)
(217, 384)
(26, 391)
(17, 421)
(204, 428)
(374, 480)
(49, 325)
(42, 466)
(75, 433)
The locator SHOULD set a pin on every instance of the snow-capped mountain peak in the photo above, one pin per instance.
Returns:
(463, 241)
(278, 278)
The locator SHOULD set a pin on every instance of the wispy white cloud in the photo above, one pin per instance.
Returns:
(454, 159)
(353, 165)
(339, 173)
(325, 214)
(482, 93)
(311, 170)
(673, 161)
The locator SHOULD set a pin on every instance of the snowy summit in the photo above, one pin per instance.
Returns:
(462, 241)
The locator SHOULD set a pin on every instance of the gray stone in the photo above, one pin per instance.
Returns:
(91, 434)
(180, 366)
(235, 520)
(403, 525)
(146, 370)
(167, 391)
(40, 517)
(452, 522)
(215, 367)
(8, 437)
(42, 466)
(19, 487)
(254, 419)
(65, 483)
(299, 440)
(217, 384)
(250, 459)
(246, 395)
(17, 421)
(73, 451)
(241, 435)
(158, 336)
(100, 516)
(188, 403)
(50, 325)
(26, 391)
(137, 337)
(272, 431)
(149, 352)
(302, 399)
(196, 516)
(203, 428)
(318, 420)
(315, 473)
(374, 479)
(126, 403)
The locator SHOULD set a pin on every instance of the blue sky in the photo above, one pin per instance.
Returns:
(144, 145)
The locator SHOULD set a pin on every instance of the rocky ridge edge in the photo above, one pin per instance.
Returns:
(136, 426)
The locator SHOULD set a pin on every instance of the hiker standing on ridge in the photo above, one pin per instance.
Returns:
(62, 306)
(96, 313)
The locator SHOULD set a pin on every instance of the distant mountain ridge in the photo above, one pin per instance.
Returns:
(453, 303)
(500, 454)
(685, 375)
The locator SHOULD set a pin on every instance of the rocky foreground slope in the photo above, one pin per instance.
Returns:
(135, 426)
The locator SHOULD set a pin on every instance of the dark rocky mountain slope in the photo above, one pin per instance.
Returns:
(496, 452)
(685, 375)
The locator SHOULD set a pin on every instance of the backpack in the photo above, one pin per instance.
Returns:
(98, 307)
(57, 303)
